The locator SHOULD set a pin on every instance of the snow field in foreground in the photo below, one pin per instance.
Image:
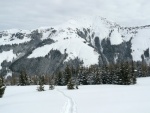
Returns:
(87, 99)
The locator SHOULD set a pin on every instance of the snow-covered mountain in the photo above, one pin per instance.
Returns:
(88, 40)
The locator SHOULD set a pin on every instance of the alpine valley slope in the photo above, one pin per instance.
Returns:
(89, 41)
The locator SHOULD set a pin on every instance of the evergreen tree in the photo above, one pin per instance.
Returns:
(67, 74)
(76, 78)
(124, 78)
(140, 74)
(80, 75)
(149, 70)
(2, 87)
(91, 78)
(84, 78)
(109, 74)
(70, 84)
(41, 84)
(98, 78)
(144, 69)
(59, 79)
(115, 78)
(13, 80)
(133, 73)
(127, 74)
(23, 80)
(35, 80)
(51, 84)
(120, 74)
(112, 73)
(104, 74)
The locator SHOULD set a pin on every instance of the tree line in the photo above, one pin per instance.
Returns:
(124, 73)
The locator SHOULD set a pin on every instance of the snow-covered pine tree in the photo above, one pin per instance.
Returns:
(2, 87)
(67, 74)
(23, 79)
(70, 84)
(41, 84)
(140, 74)
(13, 80)
(98, 78)
(51, 84)
(124, 73)
(116, 72)
(90, 78)
(104, 74)
(80, 73)
(139, 69)
(58, 78)
(110, 73)
(126, 76)
(133, 76)
(35, 79)
(83, 79)
(76, 78)
(144, 69)
(120, 74)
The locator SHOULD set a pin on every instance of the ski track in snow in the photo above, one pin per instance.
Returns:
(70, 106)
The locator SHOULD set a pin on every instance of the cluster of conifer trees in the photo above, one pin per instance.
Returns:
(124, 73)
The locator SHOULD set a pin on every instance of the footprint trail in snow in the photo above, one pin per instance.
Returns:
(70, 106)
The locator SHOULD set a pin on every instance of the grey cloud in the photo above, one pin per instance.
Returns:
(29, 14)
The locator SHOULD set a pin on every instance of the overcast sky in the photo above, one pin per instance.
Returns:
(30, 14)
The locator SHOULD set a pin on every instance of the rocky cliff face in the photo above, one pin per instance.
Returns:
(46, 50)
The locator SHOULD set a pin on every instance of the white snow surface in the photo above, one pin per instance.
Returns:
(100, 28)
(8, 39)
(140, 43)
(116, 38)
(87, 99)
(7, 55)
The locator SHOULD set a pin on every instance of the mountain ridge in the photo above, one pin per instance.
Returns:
(43, 50)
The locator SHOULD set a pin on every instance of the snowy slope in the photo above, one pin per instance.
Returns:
(67, 41)
(140, 43)
(88, 99)
(7, 55)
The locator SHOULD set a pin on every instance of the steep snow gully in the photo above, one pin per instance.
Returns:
(70, 106)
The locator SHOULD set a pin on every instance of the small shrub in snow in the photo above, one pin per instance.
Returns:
(51, 87)
(40, 88)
